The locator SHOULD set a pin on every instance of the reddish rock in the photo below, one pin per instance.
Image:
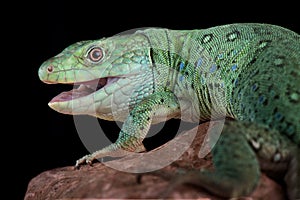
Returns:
(101, 182)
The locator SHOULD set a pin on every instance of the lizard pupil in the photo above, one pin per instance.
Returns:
(95, 54)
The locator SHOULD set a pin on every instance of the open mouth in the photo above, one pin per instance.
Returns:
(84, 88)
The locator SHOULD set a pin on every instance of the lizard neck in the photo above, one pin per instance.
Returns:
(181, 65)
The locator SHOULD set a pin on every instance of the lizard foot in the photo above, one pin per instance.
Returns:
(113, 150)
(88, 159)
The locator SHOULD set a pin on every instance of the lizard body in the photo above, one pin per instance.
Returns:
(248, 72)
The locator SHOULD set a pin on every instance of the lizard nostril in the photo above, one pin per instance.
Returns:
(50, 69)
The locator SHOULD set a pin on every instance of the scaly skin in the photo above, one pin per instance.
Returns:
(248, 72)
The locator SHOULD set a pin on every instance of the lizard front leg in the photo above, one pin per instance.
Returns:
(135, 128)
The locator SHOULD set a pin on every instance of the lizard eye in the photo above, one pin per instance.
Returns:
(95, 54)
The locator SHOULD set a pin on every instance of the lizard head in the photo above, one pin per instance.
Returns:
(96, 68)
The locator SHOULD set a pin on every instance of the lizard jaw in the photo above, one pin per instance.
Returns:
(85, 88)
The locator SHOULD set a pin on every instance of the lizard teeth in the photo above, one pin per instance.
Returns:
(83, 87)
(87, 87)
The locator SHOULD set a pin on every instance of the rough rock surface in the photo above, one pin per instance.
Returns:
(102, 182)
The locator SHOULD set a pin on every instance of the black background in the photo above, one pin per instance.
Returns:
(45, 139)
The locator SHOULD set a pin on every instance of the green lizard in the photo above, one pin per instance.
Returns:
(248, 72)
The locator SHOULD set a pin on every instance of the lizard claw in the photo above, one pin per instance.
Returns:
(88, 159)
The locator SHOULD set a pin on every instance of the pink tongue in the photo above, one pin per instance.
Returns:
(73, 94)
